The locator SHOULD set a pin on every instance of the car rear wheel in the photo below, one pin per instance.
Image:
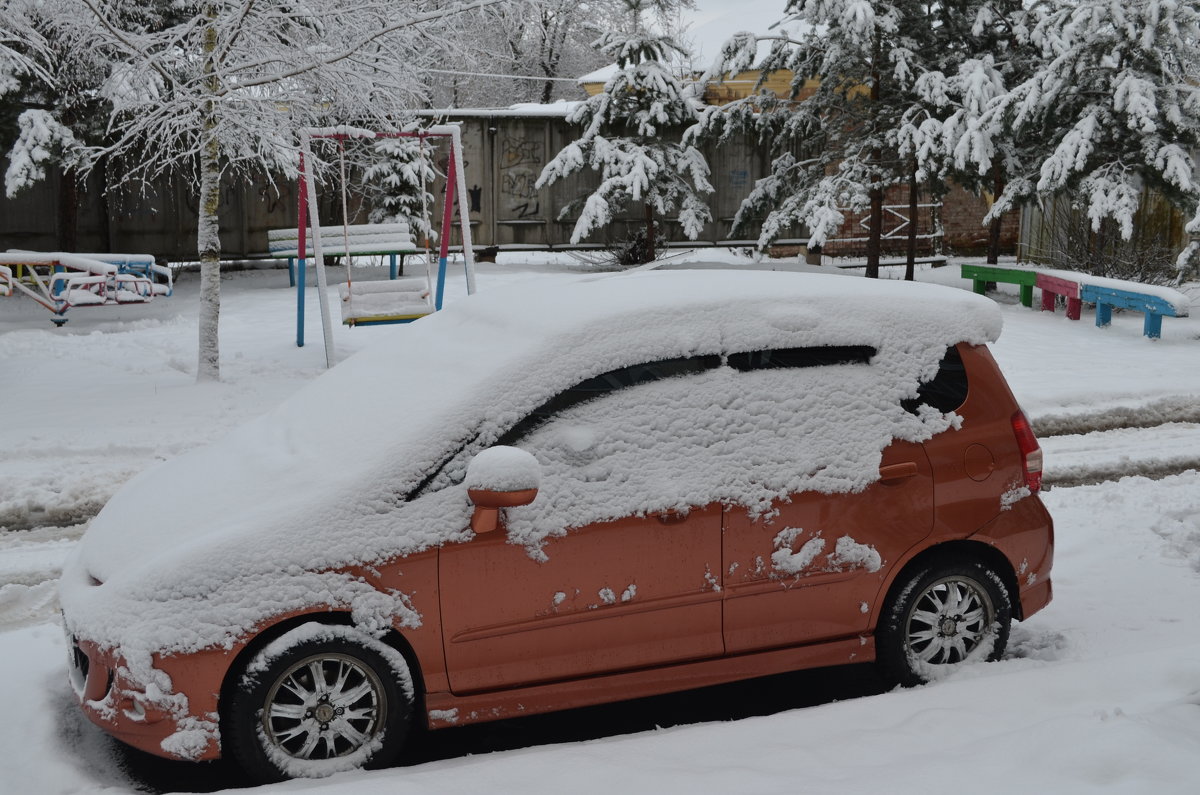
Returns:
(317, 701)
(943, 616)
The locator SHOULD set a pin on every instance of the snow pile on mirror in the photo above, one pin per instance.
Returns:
(197, 551)
(503, 468)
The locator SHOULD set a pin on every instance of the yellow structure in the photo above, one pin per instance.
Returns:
(737, 86)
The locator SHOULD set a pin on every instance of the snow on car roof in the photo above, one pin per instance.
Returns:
(320, 481)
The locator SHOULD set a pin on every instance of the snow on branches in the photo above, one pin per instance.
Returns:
(403, 179)
(626, 137)
(20, 44)
(41, 139)
(1114, 101)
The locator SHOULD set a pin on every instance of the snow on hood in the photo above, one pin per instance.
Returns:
(203, 547)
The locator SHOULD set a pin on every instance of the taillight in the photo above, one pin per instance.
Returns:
(1031, 452)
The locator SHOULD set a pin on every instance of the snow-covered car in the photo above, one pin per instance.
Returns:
(567, 495)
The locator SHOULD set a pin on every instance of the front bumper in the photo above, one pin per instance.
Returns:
(153, 716)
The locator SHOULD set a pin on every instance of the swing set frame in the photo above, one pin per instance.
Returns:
(455, 188)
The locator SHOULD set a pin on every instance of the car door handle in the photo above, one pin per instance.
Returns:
(894, 473)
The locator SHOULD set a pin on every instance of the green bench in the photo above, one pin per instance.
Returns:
(980, 275)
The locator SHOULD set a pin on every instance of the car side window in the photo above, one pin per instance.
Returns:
(625, 377)
(604, 384)
(813, 356)
(948, 389)
(747, 434)
(568, 404)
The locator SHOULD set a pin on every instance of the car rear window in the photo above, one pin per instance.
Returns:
(948, 389)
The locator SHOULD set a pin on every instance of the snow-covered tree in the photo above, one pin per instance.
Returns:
(41, 140)
(976, 62)
(58, 110)
(227, 84)
(1115, 104)
(524, 40)
(400, 169)
(19, 43)
(627, 138)
(834, 140)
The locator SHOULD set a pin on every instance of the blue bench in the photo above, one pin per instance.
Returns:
(1154, 307)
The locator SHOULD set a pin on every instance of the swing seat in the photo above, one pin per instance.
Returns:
(376, 303)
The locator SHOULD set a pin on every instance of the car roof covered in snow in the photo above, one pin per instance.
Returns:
(336, 459)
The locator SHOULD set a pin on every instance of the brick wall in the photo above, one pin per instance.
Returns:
(961, 216)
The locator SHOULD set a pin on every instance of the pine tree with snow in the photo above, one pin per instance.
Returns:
(1114, 106)
(976, 63)
(58, 105)
(626, 137)
(931, 39)
(401, 168)
(834, 139)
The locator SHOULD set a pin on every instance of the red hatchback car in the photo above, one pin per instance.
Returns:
(566, 495)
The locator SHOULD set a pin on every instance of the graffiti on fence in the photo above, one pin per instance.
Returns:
(520, 163)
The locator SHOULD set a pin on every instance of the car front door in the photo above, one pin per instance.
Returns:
(611, 568)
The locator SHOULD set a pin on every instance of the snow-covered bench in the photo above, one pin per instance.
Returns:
(1076, 287)
(1154, 302)
(1058, 284)
(366, 239)
(980, 275)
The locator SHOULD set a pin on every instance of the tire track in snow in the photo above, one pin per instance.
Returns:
(1102, 475)
(1182, 408)
(30, 565)
(1097, 456)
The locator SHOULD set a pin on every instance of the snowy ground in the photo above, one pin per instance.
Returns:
(1099, 692)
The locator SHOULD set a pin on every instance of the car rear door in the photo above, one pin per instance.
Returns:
(810, 569)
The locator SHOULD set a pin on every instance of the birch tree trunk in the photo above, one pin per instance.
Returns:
(208, 238)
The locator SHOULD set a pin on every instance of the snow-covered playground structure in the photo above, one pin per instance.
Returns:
(60, 280)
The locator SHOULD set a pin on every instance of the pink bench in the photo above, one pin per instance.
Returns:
(1053, 286)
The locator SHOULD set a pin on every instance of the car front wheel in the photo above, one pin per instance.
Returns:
(943, 616)
(318, 700)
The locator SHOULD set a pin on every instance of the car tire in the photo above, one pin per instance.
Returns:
(942, 616)
(319, 700)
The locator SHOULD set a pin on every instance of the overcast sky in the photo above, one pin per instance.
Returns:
(714, 21)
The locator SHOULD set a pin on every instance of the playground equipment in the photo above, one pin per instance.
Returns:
(373, 303)
(60, 281)
(390, 240)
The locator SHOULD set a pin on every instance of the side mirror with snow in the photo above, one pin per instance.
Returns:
(500, 477)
